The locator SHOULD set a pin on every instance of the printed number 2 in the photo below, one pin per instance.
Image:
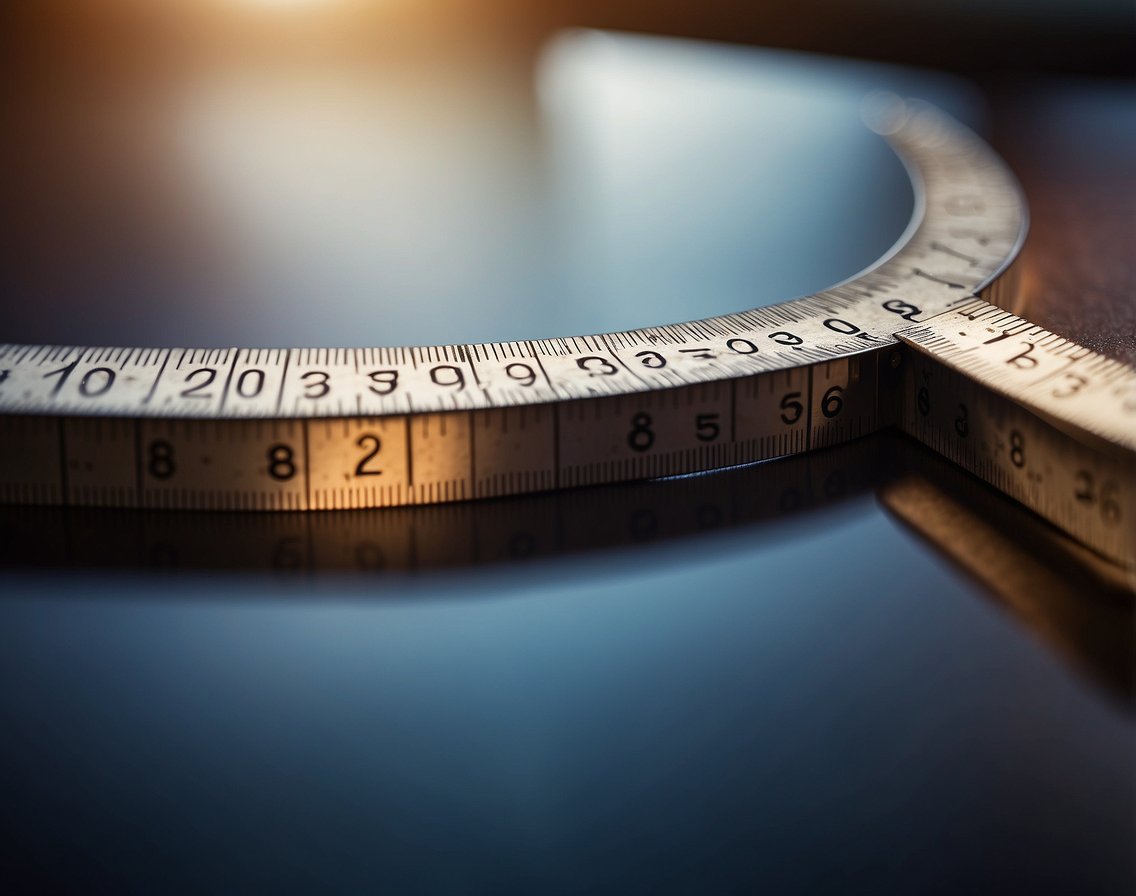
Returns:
(362, 468)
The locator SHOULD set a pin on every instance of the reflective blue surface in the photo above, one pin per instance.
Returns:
(813, 713)
(623, 182)
(831, 707)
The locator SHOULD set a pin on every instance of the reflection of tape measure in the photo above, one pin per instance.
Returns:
(1048, 422)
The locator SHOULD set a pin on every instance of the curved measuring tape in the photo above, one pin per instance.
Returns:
(905, 342)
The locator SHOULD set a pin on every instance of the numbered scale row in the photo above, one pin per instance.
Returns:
(314, 464)
(453, 535)
(305, 383)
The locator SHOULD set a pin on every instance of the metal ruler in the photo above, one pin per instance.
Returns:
(905, 342)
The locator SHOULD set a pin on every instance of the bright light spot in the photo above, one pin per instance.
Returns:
(288, 4)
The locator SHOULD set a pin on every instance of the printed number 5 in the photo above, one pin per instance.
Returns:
(706, 427)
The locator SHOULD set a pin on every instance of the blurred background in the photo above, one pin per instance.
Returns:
(429, 167)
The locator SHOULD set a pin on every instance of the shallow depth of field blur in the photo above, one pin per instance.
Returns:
(339, 172)
(823, 702)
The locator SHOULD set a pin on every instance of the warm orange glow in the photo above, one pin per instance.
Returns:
(287, 4)
(269, 7)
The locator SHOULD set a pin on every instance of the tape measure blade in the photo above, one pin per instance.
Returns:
(956, 400)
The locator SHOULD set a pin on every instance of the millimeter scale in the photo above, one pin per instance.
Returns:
(913, 342)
